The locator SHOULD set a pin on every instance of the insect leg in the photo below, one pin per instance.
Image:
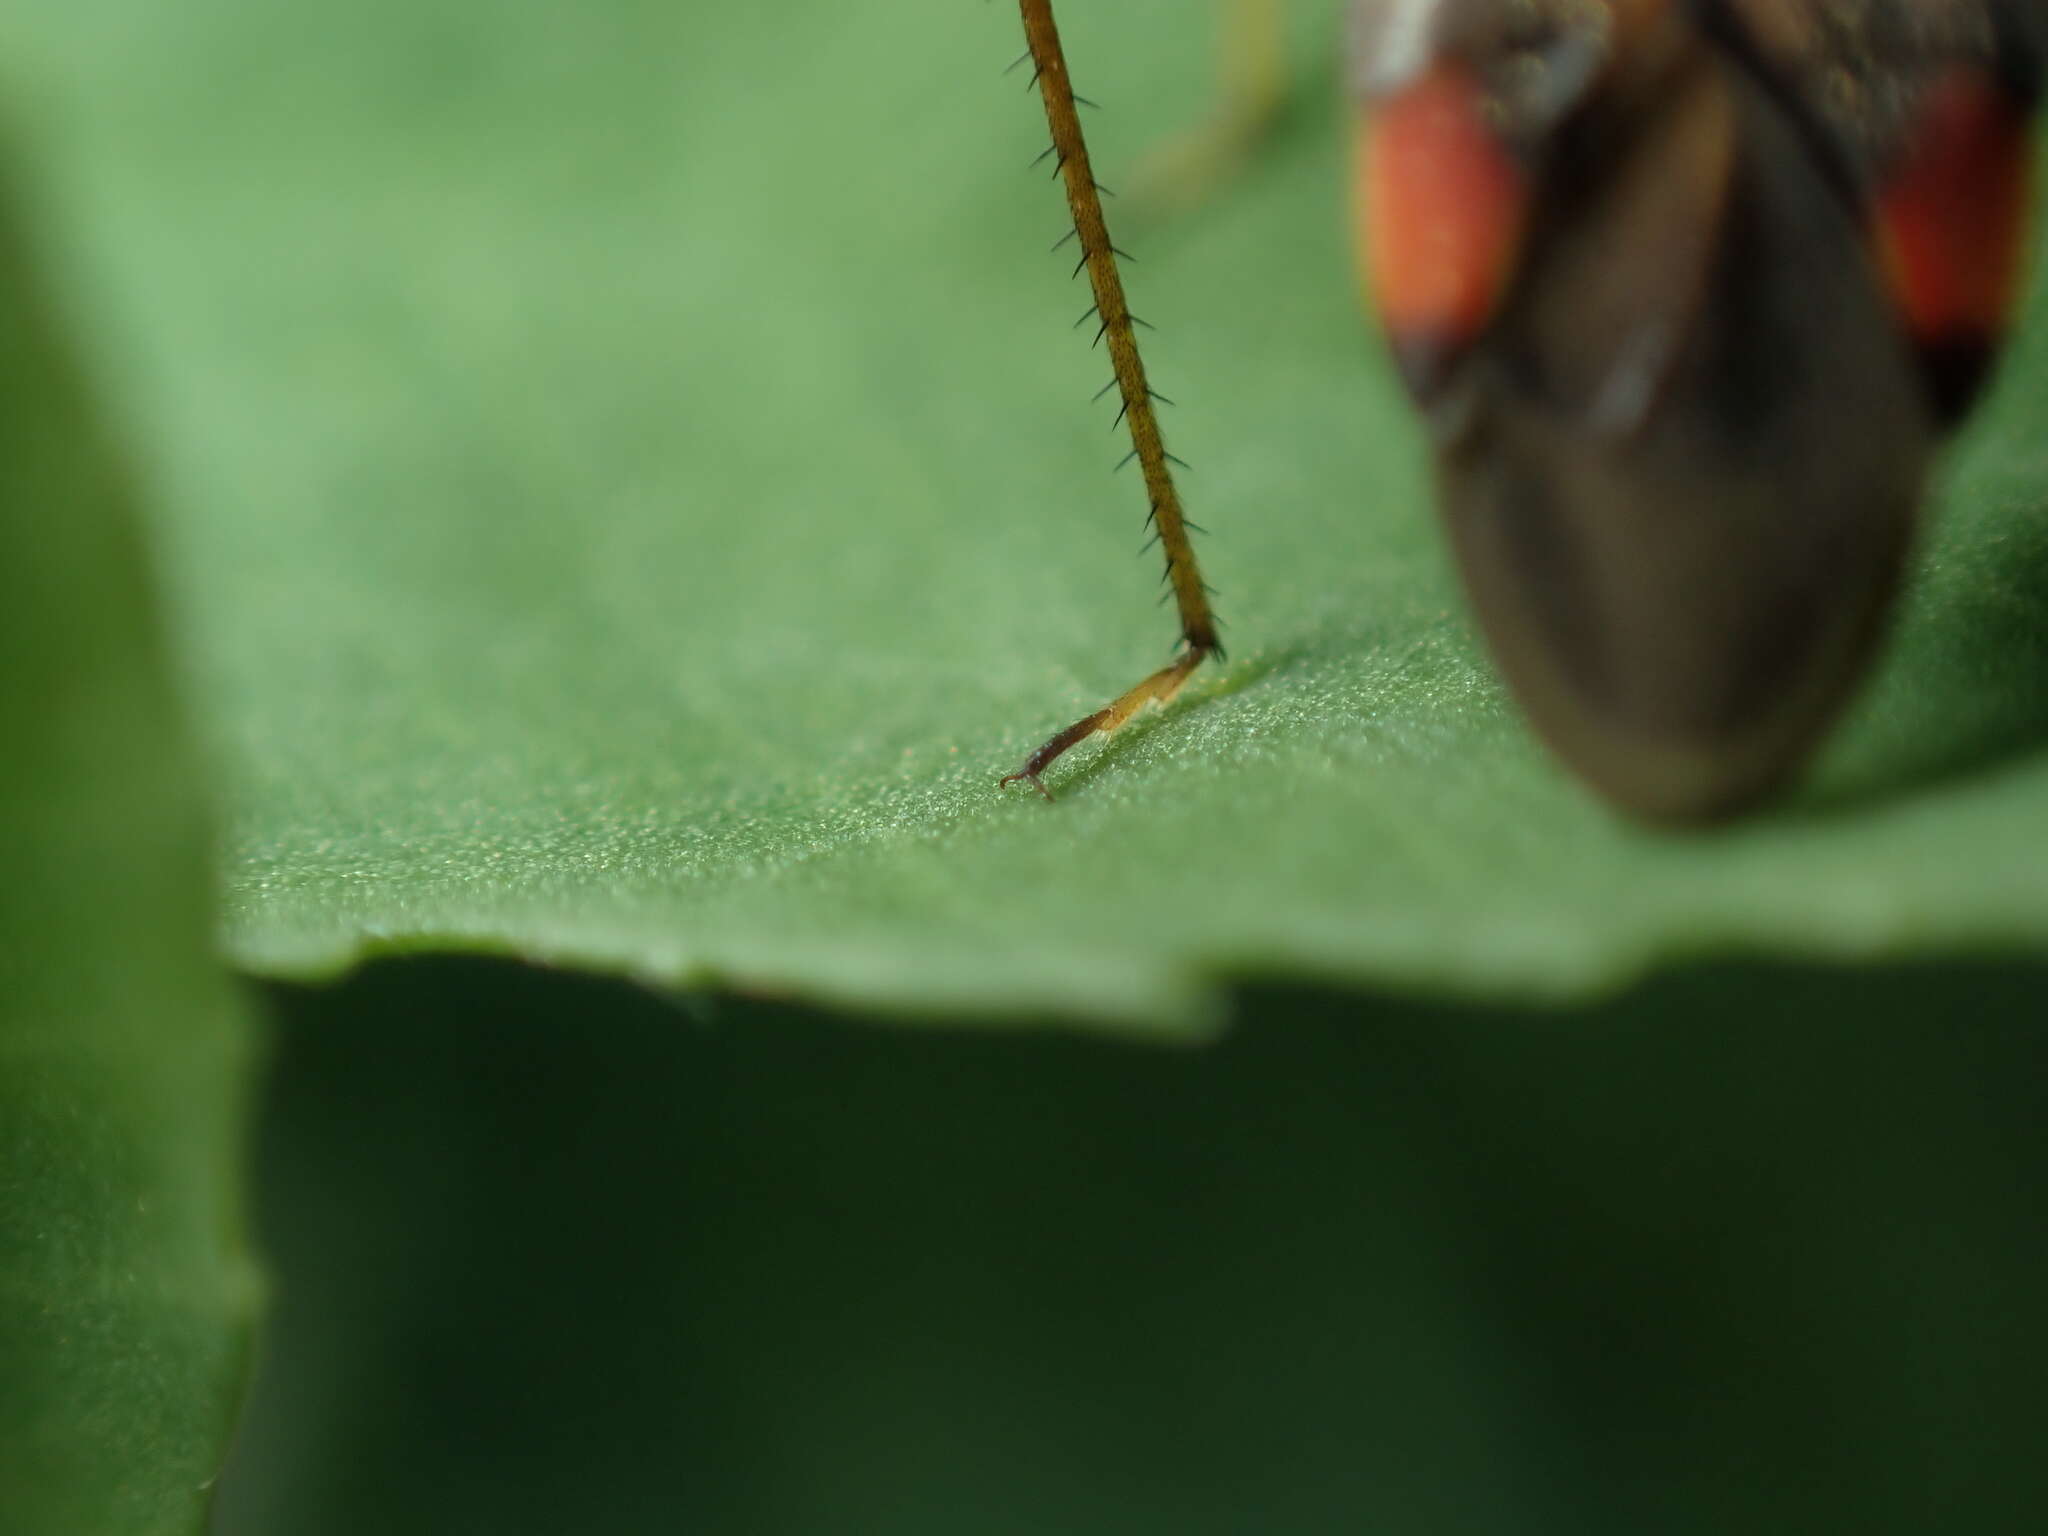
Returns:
(1119, 335)
(1251, 89)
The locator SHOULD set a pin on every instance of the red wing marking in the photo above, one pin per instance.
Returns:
(1951, 226)
(1440, 206)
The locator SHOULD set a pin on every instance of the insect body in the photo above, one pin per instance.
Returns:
(1688, 291)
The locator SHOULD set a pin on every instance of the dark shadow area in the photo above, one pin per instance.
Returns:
(1755, 1249)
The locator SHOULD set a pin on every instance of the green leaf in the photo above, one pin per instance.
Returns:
(631, 491)
(125, 1295)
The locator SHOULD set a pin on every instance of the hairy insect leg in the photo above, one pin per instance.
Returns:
(1118, 333)
(1251, 89)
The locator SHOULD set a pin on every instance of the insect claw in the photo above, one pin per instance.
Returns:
(1026, 776)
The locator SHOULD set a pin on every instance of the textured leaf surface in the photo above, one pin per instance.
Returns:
(125, 1299)
(632, 491)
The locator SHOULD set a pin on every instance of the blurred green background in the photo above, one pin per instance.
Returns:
(621, 487)
(1752, 1250)
(127, 1293)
